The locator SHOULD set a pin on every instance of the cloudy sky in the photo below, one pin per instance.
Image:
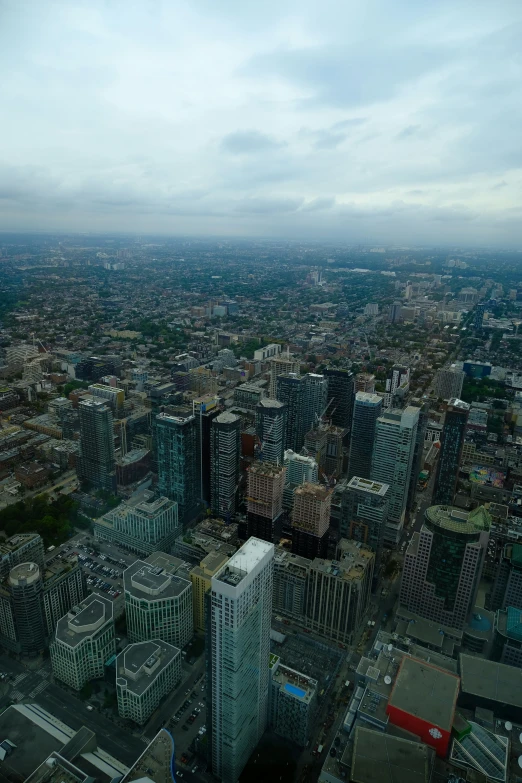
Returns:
(358, 120)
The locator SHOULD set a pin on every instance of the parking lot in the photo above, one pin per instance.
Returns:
(103, 565)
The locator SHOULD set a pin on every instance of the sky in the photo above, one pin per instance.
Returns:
(374, 121)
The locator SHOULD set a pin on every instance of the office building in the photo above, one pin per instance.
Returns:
(293, 700)
(311, 520)
(145, 673)
(395, 438)
(290, 581)
(33, 599)
(448, 383)
(176, 443)
(341, 394)
(281, 365)
(84, 641)
(338, 592)
(248, 396)
(443, 565)
(366, 411)
(143, 524)
(201, 578)
(452, 442)
(95, 464)
(225, 448)
(299, 469)
(205, 409)
(264, 498)
(364, 511)
(270, 430)
(306, 401)
(158, 602)
(239, 650)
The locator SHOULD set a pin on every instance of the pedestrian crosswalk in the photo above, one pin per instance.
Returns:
(17, 695)
(19, 677)
(39, 688)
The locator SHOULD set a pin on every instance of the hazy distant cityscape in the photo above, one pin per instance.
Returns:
(260, 511)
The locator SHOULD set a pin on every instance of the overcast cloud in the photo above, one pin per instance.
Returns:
(362, 120)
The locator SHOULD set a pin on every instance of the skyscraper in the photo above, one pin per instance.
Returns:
(225, 444)
(366, 411)
(264, 498)
(450, 451)
(176, 453)
(418, 451)
(443, 565)
(341, 394)
(281, 365)
(480, 309)
(299, 469)
(95, 465)
(364, 511)
(395, 437)
(205, 410)
(239, 652)
(270, 430)
(311, 520)
(306, 400)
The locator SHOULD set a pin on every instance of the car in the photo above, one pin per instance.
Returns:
(185, 727)
(184, 758)
(179, 774)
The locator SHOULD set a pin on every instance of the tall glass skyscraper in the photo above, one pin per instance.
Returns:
(225, 446)
(366, 411)
(341, 393)
(395, 437)
(176, 446)
(306, 398)
(270, 429)
(95, 466)
(451, 445)
(239, 656)
(443, 564)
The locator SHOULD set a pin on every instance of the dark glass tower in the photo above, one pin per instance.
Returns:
(450, 452)
(176, 453)
(366, 411)
(225, 446)
(341, 392)
(96, 466)
(270, 430)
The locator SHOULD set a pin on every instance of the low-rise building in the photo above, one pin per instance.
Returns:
(145, 673)
(84, 641)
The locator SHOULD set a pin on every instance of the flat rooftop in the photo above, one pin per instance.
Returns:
(152, 582)
(140, 664)
(458, 521)
(387, 759)
(368, 486)
(84, 620)
(244, 561)
(489, 680)
(295, 684)
(15, 542)
(425, 691)
(316, 491)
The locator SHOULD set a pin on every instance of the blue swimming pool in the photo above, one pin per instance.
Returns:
(294, 691)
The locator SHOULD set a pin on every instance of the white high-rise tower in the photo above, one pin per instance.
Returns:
(240, 616)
